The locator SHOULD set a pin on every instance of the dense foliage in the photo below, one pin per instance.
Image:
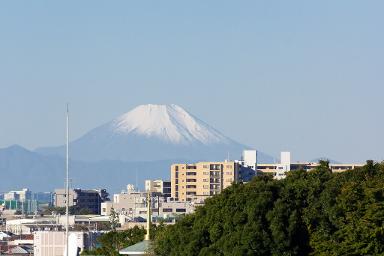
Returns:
(308, 213)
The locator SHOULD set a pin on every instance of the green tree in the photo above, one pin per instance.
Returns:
(308, 213)
(114, 219)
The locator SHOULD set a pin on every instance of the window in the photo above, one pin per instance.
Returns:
(215, 167)
(205, 173)
(228, 173)
(181, 210)
(205, 180)
(191, 186)
(191, 193)
(191, 180)
(191, 173)
(228, 180)
(205, 186)
(167, 209)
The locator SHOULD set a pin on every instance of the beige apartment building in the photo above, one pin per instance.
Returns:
(191, 182)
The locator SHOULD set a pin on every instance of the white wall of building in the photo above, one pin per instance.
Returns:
(250, 158)
(48, 243)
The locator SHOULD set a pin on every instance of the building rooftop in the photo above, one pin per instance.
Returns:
(140, 248)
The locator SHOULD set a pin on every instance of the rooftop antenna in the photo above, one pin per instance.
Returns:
(67, 184)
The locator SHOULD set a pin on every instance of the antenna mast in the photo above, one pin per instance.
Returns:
(67, 185)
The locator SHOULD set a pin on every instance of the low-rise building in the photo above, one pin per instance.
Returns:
(53, 243)
(28, 226)
(279, 170)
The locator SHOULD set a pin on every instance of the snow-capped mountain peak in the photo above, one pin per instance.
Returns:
(170, 123)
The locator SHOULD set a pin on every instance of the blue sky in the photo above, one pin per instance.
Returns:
(302, 76)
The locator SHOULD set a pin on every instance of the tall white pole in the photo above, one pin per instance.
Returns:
(67, 186)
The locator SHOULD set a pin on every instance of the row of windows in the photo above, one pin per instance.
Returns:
(177, 210)
(204, 173)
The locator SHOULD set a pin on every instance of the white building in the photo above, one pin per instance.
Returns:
(22, 195)
(53, 243)
(249, 159)
(284, 166)
(159, 187)
(279, 170)
(28, 226)
(132, 205)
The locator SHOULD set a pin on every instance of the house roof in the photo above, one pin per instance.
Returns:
(17, 250)
(140, 248)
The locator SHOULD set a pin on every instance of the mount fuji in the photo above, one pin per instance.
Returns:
(151, 133)
(139, 145)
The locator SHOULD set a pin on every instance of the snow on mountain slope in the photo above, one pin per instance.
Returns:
(153, 133)
(170, 123)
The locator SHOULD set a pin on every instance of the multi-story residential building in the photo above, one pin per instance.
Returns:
(82, 199)
(158, 187)
(191, 182)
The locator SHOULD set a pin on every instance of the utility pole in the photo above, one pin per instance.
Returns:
(147, 236)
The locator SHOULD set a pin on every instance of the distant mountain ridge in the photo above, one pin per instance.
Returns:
(21, 168)
(151, 133)
(138, 145)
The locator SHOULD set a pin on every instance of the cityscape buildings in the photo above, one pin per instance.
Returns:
(189, 186)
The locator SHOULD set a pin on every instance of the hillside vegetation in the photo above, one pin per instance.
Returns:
(308, 213)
